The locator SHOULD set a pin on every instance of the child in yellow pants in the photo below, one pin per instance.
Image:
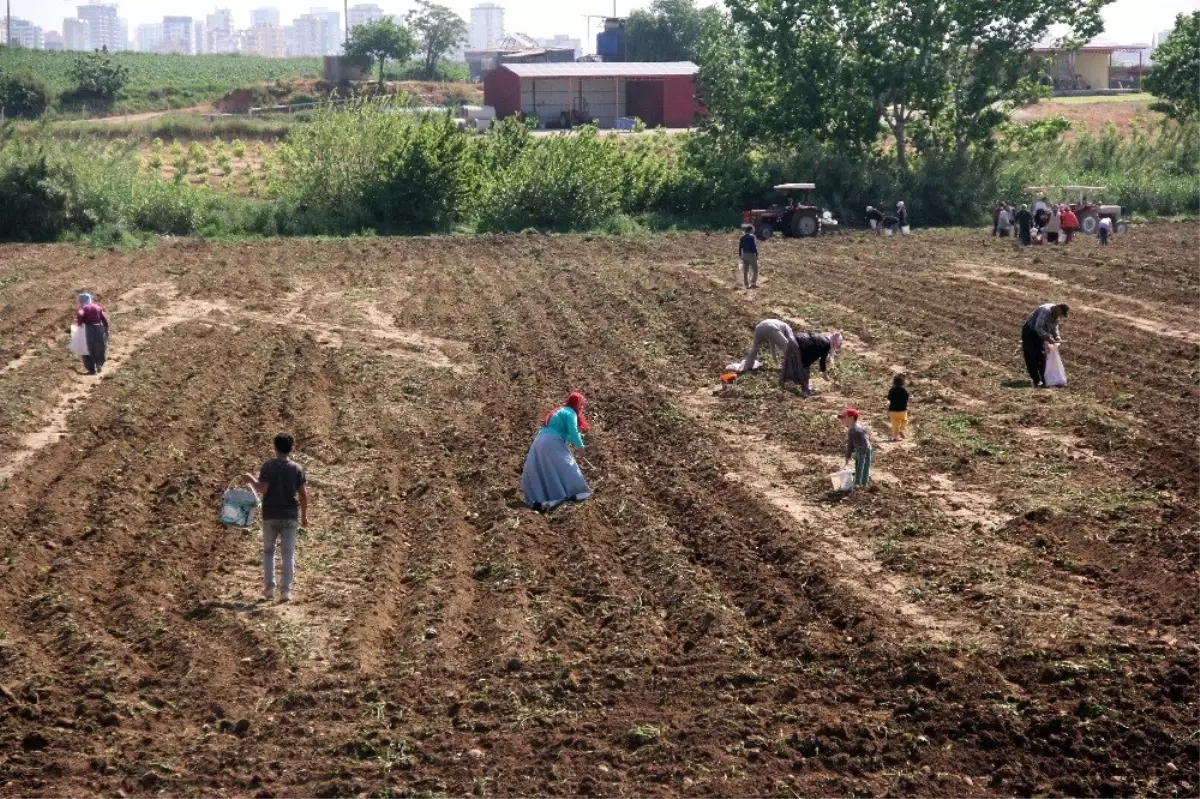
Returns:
(898, 407)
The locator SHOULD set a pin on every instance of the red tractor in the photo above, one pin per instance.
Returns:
(1089, 212)
(799, 217)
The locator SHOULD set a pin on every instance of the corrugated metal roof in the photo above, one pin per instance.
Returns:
(609, 69)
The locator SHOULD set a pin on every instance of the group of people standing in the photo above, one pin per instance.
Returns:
(1046, 223)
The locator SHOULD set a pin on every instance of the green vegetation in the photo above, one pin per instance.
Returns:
(158, 82)
(22, 96)
(1176, 75)
(668, 31)
(376, 42)
(438, 30)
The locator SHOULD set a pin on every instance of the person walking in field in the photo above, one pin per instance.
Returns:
(902, 217)
(898, 407)
(1024, 221)
(1053, 226)
(94, 321)
(858, 447)
(748, 257)
(551, 476)
(282, 484)
(1070, 223)
(1104, 230)
(1004, 221)
(1041, 213)
(1040, 331)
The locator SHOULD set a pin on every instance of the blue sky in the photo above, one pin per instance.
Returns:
(1127, 21)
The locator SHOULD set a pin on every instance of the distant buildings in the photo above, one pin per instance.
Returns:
(147, 38)
(104, 27)
(24, 34)
(362, 14)
(54, 41)
(563, 42)
(219, 33)
(486, 28)
(77, 34)
(316, 33)
(268, 15)
(178, 36)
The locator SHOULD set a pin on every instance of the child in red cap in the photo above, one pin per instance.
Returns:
(858, 447)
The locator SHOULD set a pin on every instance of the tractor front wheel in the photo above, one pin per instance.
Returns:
(804, 225)
(765, 231)
(1122, 227)
(1089, 223)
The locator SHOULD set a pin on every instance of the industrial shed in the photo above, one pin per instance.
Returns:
(657, 93)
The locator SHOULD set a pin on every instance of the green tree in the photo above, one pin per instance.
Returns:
(22, 96)
(668, 31)
(376, 42)
(98, 78)
(1175, 79)
(939, 74)
(439, 30)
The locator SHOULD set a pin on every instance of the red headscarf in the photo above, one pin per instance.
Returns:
(576, 402)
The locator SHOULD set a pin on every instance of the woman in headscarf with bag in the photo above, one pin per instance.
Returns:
(551, 476)
(94, 321)
(805, 350)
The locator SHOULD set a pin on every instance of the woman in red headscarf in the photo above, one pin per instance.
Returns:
(551, 476)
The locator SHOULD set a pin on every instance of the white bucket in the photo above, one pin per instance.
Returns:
(843, 480)
(874, 223)
(887, 231)
(904, 230)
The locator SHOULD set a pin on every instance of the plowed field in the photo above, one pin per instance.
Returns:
(1011, 611)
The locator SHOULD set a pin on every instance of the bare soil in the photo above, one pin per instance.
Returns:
(1011, 610)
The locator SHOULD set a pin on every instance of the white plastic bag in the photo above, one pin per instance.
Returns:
(874, 223)
(736, 366)
(842, 481)
(1056, 375)
(78, 342)
(905, 229)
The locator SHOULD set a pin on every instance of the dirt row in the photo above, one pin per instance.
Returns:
(1010, 611)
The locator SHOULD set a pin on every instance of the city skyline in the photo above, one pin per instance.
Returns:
(1127, 21)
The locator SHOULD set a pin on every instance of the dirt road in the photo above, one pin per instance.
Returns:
(1011, 611)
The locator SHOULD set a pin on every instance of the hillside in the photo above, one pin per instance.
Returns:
(161, 81)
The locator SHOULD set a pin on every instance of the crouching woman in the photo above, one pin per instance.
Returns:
(551, 476)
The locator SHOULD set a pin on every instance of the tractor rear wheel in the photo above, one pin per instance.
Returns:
(765, 231)
(1122, 227)
(1089, 223)
(804, 225)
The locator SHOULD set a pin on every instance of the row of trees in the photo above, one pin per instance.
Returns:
(430, 29)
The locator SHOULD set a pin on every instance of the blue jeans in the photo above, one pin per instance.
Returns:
(285, 530)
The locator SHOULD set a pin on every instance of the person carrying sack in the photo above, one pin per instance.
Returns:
(1040, 332)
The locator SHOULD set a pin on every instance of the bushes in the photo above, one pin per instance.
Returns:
(556, 183)
(35, 201)
(22, 96)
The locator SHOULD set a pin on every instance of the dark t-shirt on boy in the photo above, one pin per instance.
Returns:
(283, 478)
(748, 244)
(897, 400)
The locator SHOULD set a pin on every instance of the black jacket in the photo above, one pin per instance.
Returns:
(814, 347)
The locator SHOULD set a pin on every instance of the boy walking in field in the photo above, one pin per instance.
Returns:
(282, 485)
(858, 447)
(748, 256)
(898, 407)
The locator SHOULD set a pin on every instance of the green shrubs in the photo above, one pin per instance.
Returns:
(22, 96)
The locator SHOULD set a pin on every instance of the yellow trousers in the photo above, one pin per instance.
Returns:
(899, 422)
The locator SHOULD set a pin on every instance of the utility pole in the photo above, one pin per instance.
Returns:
(8, 23)
(346, 22)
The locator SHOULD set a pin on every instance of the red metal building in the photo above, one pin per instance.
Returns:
(657, 93)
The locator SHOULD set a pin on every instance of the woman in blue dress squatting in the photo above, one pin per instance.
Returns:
(551, 476)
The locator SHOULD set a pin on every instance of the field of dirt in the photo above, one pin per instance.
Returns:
(1010, 611)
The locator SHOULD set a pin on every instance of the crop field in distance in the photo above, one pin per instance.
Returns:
(1010, 611)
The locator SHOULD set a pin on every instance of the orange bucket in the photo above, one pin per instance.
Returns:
(729, 377)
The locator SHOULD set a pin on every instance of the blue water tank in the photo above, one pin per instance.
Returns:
(610, 42)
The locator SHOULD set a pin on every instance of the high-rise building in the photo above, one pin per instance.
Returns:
(24, 34)
(564, 42)
(149, 37)
(77, 34)
(334, 35)
(199, 40)
(362, 14)
(486, 28)
(123, 33)
(268, 15)
(54, 41)
(178, 35)
(311, 34)
(269, 41)
(104, 27)
(219, 32)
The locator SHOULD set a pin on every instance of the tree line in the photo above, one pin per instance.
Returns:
(430, 30)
